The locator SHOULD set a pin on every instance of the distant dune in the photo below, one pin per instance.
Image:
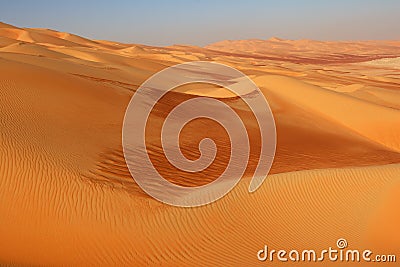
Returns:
(67, 197)
(311, 51)
(386, 62)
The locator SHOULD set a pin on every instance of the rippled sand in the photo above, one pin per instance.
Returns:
(67, 197)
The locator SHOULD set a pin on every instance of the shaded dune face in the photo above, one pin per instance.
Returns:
(67, 197)
(305, 142)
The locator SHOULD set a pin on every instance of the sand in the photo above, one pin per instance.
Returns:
(67, 197)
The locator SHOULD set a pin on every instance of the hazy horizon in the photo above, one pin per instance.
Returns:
(163, 23)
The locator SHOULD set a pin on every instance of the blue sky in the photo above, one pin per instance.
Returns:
(203, 22)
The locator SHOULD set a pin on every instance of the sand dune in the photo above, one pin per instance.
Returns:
(66, 194)
(360, 116)
(31, 49)
(386, 62)
(311, 51)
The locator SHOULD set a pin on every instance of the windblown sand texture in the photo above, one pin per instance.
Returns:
(67, 197)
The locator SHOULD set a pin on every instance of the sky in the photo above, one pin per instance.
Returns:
(203, 22)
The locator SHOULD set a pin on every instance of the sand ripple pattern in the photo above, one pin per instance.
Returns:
(147, 96)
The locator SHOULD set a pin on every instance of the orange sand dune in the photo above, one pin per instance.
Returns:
(67, 197)
(311, 51)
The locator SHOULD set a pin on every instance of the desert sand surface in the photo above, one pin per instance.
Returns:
(68, 199)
